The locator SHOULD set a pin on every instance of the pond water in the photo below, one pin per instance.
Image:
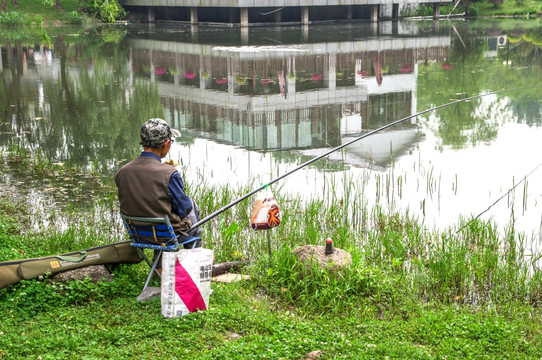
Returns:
(253, 104)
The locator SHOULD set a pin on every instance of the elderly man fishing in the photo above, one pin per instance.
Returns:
(149, 188)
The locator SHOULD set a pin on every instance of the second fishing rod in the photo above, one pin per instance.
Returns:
(238, 200)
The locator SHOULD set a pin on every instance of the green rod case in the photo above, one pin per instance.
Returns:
(11, 272)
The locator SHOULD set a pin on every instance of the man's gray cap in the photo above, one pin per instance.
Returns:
(155, 132)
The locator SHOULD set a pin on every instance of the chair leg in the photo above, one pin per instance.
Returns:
(144, 256)
(153, 270)
(149, 292)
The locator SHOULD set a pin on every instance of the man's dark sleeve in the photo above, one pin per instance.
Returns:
(180, 202)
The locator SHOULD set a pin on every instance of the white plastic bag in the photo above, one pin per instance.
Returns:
(186, 281)
(266, 213)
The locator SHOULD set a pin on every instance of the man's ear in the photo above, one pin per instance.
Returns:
(164, 148)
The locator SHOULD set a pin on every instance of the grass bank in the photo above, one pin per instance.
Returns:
(35, 9)
(508, 8)
(410, 293)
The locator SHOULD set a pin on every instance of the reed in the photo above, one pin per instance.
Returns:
(396, 256)
(476, 265)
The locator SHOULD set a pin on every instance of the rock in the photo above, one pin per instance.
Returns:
(94, 272)
(224, 267)
(338, 260)
(230, 277)
(149, 293)
(230, 335)
(313, 355)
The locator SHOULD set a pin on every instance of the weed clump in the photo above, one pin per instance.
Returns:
(315, 290)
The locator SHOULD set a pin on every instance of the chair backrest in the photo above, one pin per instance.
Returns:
(150, 230)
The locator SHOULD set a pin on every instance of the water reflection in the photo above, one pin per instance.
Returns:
(254, 103)
(293, 96)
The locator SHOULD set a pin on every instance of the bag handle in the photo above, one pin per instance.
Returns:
(82, 255)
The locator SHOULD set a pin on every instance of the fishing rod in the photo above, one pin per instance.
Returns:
(238, 200)
(499, 199)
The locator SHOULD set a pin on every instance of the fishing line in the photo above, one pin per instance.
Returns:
(235, 202)
(499, 199)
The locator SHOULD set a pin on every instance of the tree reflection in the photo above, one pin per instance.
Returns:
(83, 99)
(522, 67)
(89, 112)
(471, 69)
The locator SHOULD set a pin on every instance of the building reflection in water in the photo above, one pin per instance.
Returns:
(302, 96)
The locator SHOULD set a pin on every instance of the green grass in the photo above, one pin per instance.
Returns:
(243, 322)
(410, 293)
(522, 8)
(36, 8)
(510, 8)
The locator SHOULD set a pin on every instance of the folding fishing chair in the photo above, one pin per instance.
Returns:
(156, 234)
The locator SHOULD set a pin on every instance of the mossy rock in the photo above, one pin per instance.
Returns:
(315, 254)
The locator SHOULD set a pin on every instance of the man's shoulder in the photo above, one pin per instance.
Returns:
(148, 162)
(121, 169)
(160, 166)
(128, 165)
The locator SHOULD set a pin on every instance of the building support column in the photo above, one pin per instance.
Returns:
(395, 11)
(244, 17)
(278, 17)
(374, 13)
(231, 81)
(150, 13)
(130, 66)
(178, 69)
(330, 73)
(349, 12)
(151, 65)
(436, 11)
(205, 64)
(194, 33)
(244, 35)
(193, 16)
(305, 15)
(290, 78)
(305, 32)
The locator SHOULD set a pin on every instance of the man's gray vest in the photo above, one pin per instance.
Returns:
(143, 191)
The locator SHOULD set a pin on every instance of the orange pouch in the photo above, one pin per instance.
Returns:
(266, 212)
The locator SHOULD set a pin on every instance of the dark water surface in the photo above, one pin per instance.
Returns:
(253, 104)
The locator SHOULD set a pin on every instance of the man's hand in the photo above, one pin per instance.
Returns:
(171, 162)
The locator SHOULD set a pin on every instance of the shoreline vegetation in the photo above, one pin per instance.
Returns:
(45, 13)
(411, 292)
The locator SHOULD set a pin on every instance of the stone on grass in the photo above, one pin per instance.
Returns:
(230, 277)
(149, 293)
(338, 260)
(230, 335)
(94, 272)
(313, 355)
